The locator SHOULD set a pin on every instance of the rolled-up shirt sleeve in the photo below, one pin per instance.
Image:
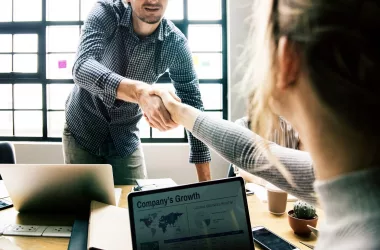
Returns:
(88, 71)
(186, 84)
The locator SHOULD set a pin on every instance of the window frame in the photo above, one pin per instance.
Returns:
(40, 28)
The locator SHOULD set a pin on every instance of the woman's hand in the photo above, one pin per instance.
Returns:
(180, 113)
(171, 101)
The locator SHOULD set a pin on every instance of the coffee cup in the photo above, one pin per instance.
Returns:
(277, 200)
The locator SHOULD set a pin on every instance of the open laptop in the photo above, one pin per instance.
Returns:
(58, 188)
(206, 215)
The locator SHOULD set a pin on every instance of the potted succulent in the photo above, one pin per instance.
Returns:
(303, 214)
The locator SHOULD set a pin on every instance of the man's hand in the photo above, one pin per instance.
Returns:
(164, 98)
(152, 106)
(203, 171)
(171, 101)
(154, 111)
(180, 113)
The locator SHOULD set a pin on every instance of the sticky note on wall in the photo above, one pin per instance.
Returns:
(196, 60)
(62, 64)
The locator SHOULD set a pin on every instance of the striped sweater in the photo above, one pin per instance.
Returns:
(351, 203)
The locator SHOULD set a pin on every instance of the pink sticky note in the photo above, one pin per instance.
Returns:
(62, 64)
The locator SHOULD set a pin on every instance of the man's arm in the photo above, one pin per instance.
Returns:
(93, 76)
(88, 72)
(203, 171)
(185, 81)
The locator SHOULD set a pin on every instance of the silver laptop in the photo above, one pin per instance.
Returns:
(58, 188)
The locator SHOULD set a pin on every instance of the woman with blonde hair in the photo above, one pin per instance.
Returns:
(318, 64)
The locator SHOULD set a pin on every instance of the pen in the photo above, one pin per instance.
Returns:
(308, 245)
(249, 192)
(313, 229)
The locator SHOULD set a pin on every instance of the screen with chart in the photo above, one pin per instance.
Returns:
(199, 217)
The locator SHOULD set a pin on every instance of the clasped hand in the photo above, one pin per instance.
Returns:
(159, 107)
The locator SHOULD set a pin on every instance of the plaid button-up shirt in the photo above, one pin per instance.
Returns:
(109, 52)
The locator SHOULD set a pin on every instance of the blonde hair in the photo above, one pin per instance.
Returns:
(340, 53)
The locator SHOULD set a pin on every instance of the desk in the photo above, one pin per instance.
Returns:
(258, 212)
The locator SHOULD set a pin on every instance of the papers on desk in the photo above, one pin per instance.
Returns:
(149, 184)
(261, 192)
(2, 229)
(3, 190)
(80, 232)
(108, 227)
(98, 230)
(117, 195)
(6, 244)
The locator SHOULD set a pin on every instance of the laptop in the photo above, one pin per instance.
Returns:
(58, 188)
(206, 215)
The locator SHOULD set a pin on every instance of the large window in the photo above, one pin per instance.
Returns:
(38, 40)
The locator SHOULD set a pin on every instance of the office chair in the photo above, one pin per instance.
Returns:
(244, 122)
(231, 171)
(7, 154)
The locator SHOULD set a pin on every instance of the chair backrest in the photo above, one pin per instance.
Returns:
(244, 122)
(231, 171)
(7, 154)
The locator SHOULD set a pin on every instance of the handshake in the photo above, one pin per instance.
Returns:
(161, 108)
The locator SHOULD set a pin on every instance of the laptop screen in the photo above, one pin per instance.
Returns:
(210, 215)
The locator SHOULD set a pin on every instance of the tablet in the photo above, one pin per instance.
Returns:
(206, 215)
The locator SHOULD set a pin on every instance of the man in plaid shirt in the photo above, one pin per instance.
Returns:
(125, 47)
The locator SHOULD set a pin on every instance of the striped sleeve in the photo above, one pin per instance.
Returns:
(238, 145)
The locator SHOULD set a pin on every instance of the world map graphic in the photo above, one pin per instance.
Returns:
(155, 222)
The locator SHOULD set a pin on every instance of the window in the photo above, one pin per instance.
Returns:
(38, 41)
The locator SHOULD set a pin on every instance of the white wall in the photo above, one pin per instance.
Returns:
(163, 160)
(171, 160)
(238, 12)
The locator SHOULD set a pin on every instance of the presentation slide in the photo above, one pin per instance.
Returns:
(207, 217)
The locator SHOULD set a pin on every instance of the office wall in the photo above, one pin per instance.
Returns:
(163, 160)
(171, 160)
(238, 26)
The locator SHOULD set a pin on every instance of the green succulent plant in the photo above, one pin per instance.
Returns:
(303, 210)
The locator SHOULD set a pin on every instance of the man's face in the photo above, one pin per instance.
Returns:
(149, 11)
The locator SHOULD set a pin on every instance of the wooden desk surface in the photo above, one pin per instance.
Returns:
(258, 212)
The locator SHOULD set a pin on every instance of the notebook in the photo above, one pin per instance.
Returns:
(6, 244)
(108, 227)
(79, 234)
